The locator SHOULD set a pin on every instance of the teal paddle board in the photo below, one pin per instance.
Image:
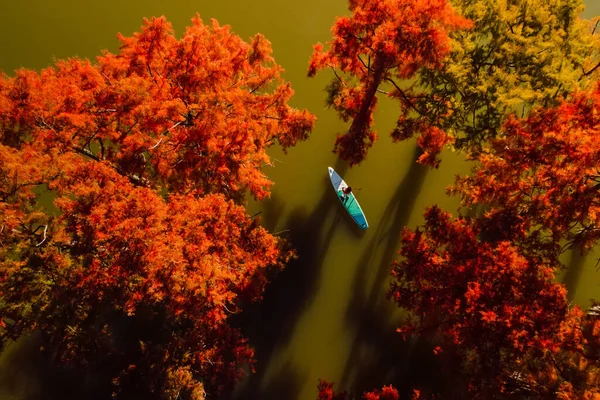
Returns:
(348, 200)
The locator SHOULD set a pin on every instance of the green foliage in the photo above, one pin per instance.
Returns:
(519, 54)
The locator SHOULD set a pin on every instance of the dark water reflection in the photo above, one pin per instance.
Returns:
(33, 376)
(271, 322)
(573, 273)
(377, 353)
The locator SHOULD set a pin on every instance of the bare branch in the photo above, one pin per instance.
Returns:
(86, 153)
(404, 96)
(43, 240)
(105, 110)
(90, 138)
(336, 75)
(135, 179)
(156, 145)
(367, 67)
(107, 78)
(589, 72)
(228, 310)
(261, 83)
(42, 123)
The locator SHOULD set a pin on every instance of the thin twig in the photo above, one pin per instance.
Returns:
(404, 96)
(43, 240)
(156, 145)
(336, 75)
(589, 72)
(260, 84)
(368, 67)
(107, 78)
(232, 312)
(87, 153)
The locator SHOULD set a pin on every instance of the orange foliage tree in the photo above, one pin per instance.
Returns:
(381, 41)
(147, 249)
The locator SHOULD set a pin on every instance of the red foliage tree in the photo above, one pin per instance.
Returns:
(574, 371)
(147, 250)
(326, 392)
(544, 172)
(380, 41)
(496, 309)
(493, 305)
(386, 393)
(538, 183)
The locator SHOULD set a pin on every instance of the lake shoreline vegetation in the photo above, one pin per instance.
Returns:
(126, 249)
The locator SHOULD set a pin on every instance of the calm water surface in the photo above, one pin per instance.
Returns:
(326, 316)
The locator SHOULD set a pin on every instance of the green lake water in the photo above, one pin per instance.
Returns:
(326, 315)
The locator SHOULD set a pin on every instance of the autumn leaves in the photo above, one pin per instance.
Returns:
(148, 154)
(455, 68)
(512, 84)
(382, 43)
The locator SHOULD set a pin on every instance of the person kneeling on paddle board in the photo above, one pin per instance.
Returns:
(347, 190)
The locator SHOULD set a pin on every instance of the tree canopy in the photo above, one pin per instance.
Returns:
(519, 55)
(147, 248)
(382, 41)
(543, 172)
(485, 286)
(457, 69)
(514, 83)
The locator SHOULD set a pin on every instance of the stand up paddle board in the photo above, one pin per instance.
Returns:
(348, 200)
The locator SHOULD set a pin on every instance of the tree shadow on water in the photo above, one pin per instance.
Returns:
(378, 354)
(285, 383)
(27, 373)
(573, 272)
(270, 323)
(270, 215)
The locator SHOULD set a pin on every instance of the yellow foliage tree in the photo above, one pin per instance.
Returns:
(519, 54)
